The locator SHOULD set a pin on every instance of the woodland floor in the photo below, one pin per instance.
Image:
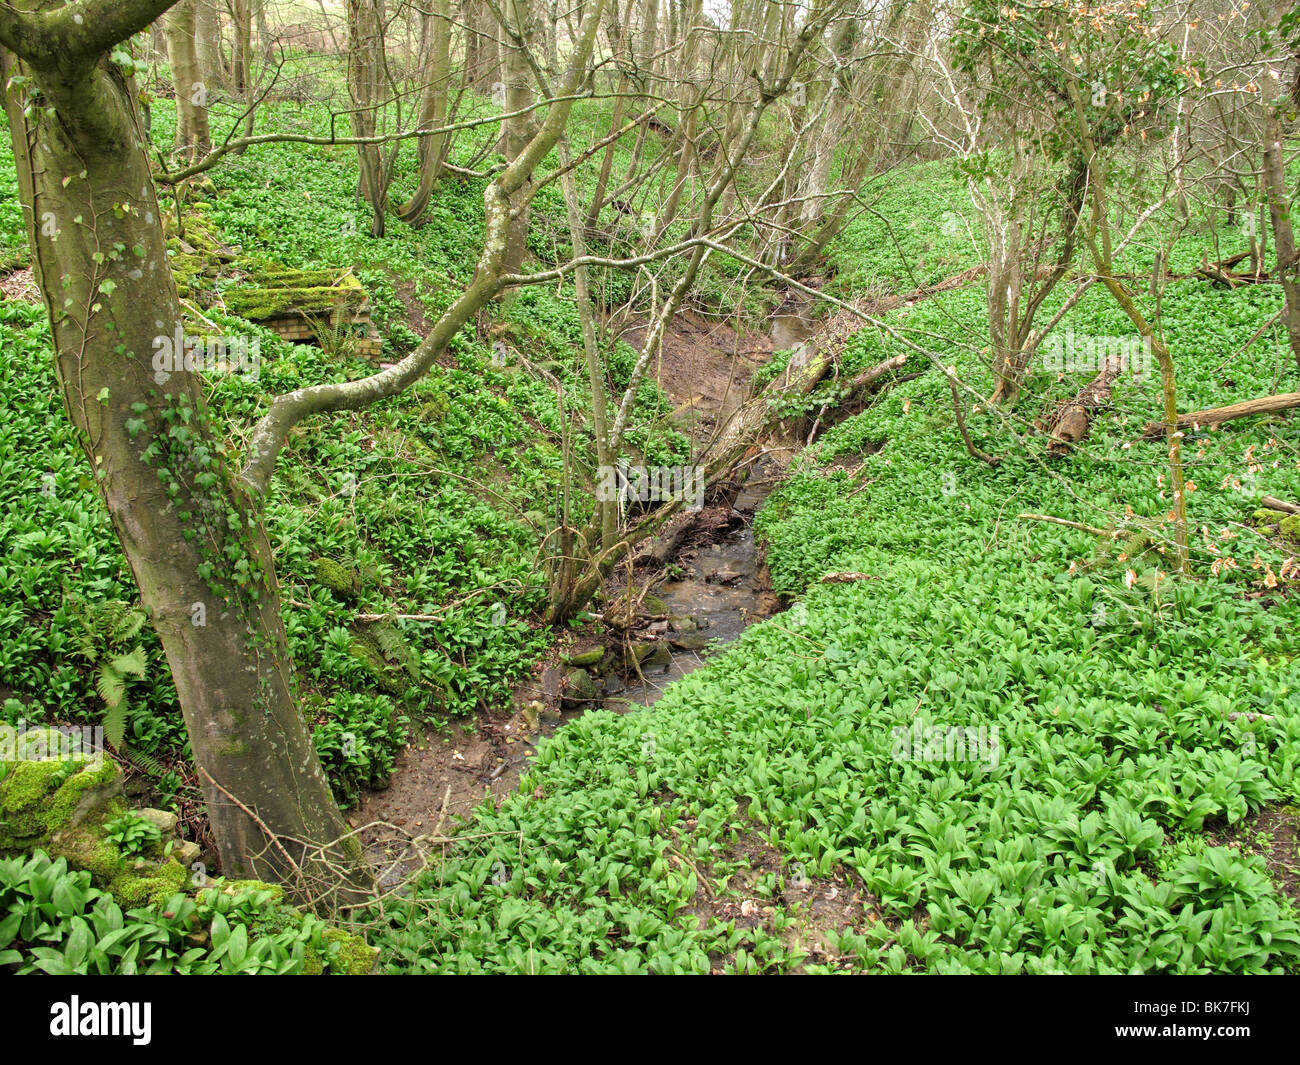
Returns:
(705, 366)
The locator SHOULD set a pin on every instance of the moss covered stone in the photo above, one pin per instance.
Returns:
(86, 849)
(355, 957)
(1290, 528)
(580, 687)
(39, 799)
(238, 887)
(307, 292)
(1267, 517)
(339, 579)
(195, 258)
(660, 658)
(352, 957)
(154, 889)
(436, 410)
(62, 807)
(587, 658)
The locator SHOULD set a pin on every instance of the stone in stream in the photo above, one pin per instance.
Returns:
(658, 660)
(580, 689)
(690, 641)
(586, 658)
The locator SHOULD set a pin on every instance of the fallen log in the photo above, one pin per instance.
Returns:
(1220, 273)
(664, 546)
(751, 422)
(745, 431)
(1269, 503)
(869, 377)
(1073, 417)
(1219, 415)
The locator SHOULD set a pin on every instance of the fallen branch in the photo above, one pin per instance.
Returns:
(400, 617)
(1221, 272)
(1110, 534)
(868, 377)
(1254, 337)
(1218, 415)
(971, 449)
(1280, 504)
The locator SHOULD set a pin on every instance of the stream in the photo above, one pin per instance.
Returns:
(711, 592)
(715, 592)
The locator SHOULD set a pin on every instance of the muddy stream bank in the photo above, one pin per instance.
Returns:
(705, 597)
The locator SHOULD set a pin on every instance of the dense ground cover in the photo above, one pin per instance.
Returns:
(782, 807)
(1132, 713)
(434, 503)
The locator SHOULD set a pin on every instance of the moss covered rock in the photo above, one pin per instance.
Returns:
(150, 888)
(61, 807)
(348, 955)
(659, 658)
(1267, 517)
(1289, 527)
(339, 579)
(39, 799)
(285, 292)
(580, 687)
(586, 658)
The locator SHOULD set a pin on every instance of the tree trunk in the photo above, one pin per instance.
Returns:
(190, 535)
(482, 53)
(193, 140)
(365, 45)
(207, 44)
(515, 132)
(433, 107)
(1279, 213)
(243, 49)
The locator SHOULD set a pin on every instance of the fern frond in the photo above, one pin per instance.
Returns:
(147, 762)
(127, 626)
(111, 686)
(132, 663)
(115, 724)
